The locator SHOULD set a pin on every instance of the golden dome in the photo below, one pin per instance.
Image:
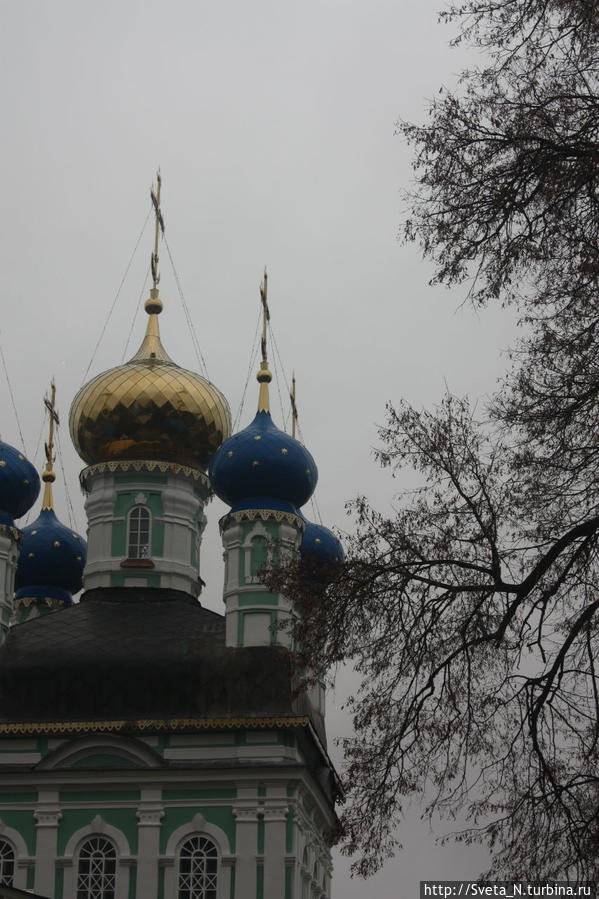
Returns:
(149, 409)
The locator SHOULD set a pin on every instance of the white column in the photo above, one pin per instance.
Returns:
(47, 818)
(149, 815)
(246, 841)
(275, 819)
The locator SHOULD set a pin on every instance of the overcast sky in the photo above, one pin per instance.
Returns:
(273, 125)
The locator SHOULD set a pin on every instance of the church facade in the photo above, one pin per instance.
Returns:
(149, 747)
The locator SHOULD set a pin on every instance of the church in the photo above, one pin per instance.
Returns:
(149, 747)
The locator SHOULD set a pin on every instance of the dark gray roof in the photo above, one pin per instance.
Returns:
(138, 653)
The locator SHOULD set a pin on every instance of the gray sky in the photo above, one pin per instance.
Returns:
(273, 125)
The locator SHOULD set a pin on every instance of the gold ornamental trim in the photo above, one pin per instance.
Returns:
(13, 531)
(264, 515)
(136, 465)
(50, 601)
(151, 724)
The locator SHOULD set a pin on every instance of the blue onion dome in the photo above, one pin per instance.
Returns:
(261, 467)
(321, 552)
(19, 484)
(320, 543)
(51, 560)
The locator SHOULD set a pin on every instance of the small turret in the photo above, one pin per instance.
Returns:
(19, 489)
(147, 430)
(52, 557)
(264, 475)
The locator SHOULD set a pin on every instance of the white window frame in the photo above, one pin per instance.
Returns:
(196, 890)
(70, 860)
(7, 847)
(104, 875)
(257, 531)
(139, 510)
(197, 826)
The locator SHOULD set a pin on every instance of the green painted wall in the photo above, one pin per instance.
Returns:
(24, 823)
(74, 819)
(125, 501)
(272, 530)
(259, 881)
(260, 831)
(7, 798)
(200, 794)
(258, 547)
(59, 882)
(104, 761)
(132, 882)
(99, 796)
(118, 544)
(144, 477)
(176, 817)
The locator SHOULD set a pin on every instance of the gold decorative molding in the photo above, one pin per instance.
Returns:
(137, 465)
(50, 601)
(152, 724)
(263, 515)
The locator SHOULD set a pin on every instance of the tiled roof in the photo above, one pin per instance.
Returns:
(132, 653)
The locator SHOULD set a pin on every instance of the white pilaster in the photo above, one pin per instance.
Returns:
(246, 840)
(47, 818)
(275, 819)
(149, 815)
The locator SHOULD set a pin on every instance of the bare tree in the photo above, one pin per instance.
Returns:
(472, 613)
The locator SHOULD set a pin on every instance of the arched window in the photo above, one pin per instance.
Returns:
(258, 556)
(96, 873)
(198, 869)
(7, 863)
(139, 533)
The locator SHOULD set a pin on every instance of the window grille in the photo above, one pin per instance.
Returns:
(96, 874)
(139, 533)
(7, 863)
(198, 860)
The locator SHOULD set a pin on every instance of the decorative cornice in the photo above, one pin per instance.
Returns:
(151, 816)
(263, 515)
(137, 465)
(47, 817)
(175, 725)
(276, 813)
(246, 813)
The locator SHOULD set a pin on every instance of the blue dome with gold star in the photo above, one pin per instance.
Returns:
(262, 464)
(19, 484)
(320, 545)
(51, 561)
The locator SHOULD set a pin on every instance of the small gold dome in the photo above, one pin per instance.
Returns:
(149, 409)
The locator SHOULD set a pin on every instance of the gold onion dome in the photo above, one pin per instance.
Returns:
(149, 409)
